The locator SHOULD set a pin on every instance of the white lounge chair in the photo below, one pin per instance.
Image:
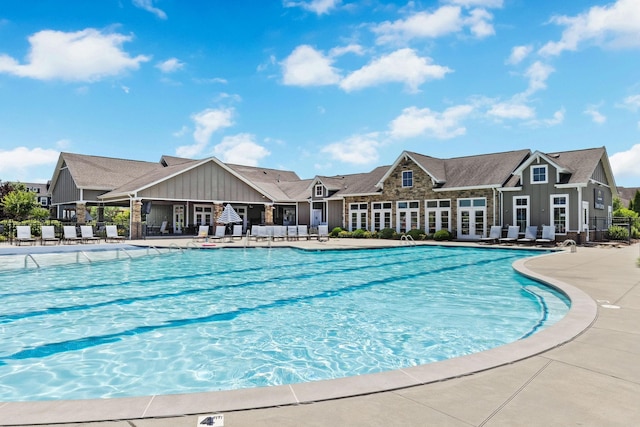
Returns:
(219, 233)
(303, 232)
(163, 228)
(279, 232)
(530, 235)
(323, 233)
(258, 232)
(237, 231)
(292, 232)
(203, 233)
(86, 232)
(23, 235)
(512, 235)
(70, 234)
(548, 235)
(48, 235)
(494, 234)
(112, 234)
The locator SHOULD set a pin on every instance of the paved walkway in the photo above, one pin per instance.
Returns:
(593, 380)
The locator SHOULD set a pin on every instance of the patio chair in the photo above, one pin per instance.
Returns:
(48, 235)
(512, 235)
(86, 232)
(70, 234)
(23, 235)
(112, 234)
(258, 232)
(303, 232)
(548, 235)
(279, 232)
(494, 234)
(163, 228)
(292, 232)
(237, 231)
(219, 233)
(323, 233)
(530, 235)
(203, 233)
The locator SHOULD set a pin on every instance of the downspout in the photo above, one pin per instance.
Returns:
(580, 213)
(494, 205)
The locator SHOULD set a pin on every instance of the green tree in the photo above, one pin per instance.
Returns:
(617, 204)
(19, 203)
(634, 204)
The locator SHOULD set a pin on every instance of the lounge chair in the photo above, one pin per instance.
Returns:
(258, 232)
(70, 234)
(163, 228)
(237, 231)
(494, 234)
(49, 235)
(23, 235)
(279, 232)
(292, 232)
(219, 233)
(548, 235)
(530, 235)
(512, 235)
(303, 232)
(112, 234)
(86, 232)
(203, 233)
(323, 233)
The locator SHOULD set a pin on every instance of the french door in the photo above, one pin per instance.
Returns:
(472, 218)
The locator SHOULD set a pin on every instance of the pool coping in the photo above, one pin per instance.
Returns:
(582, 314)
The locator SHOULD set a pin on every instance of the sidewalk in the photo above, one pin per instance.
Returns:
(593, 380)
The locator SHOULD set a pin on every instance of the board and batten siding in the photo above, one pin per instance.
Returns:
(65, 190)
(208, 182)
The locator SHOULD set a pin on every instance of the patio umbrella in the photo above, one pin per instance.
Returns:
(229, 215)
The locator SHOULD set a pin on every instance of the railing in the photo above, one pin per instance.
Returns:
(26, 257)
(406, 239)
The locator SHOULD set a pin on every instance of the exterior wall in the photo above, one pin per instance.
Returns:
(334, 214)
(209, 182)
(65, 190)
(304, 213)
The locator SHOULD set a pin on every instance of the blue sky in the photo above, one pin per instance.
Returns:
(320, 87)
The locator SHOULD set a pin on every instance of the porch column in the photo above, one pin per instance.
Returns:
(81, 213)
(136, 220)
(217, 211)
(268, 214)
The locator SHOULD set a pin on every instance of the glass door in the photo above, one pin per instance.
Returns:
(472, 215)
(178, 218)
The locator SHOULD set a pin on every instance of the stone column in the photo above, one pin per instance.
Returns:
(136, 220)
(81, 213)
(268, 214)
(217, 211)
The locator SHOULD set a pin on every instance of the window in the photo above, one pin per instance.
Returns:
(319, 190)
(539, 174)
(438, 213)
(408, 217)
(44, 201)
(407, 178)
(381, 215)
(521, 212)
(358, 217)
(560, 212)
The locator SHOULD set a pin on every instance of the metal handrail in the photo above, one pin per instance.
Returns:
(27, 256)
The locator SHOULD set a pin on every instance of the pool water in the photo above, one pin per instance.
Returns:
(207, 320)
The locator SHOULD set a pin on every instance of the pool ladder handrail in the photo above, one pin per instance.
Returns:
(406, 239)
(85, 255)
(125, 252)
(26, 257)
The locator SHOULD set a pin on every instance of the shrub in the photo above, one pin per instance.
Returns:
(442, 235)
(342, 233)
(387, 233)
(335, 232)
(416, 234)
(618, 233)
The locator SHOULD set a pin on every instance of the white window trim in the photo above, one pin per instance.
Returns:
(438, 210)
(402, 179)
(546, 174)
(566, 212)
(516, 206)
(319, 187)
(382, 210)
(408, 210)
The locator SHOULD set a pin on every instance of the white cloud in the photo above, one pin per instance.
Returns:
(240, 149)
(416, 122)
(443, 21)
(625, 163)
(207, 122)
(511, 110)
(479, 23)
(318, 7)
(352, 48)
(596, 116)
(402, 66)
(148, 6)
(86, 55)
(538, 73)
(616, 25)
(18, 160)
(171, 65)
(477, 3)
(632, 102)
(558, 118)
(358, 149)
(308, 67)
(518, 53)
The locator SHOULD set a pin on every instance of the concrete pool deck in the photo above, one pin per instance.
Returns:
(591, 380)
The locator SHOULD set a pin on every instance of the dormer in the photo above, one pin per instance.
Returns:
(542, 169)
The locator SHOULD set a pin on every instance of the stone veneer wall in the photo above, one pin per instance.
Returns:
(422, 190)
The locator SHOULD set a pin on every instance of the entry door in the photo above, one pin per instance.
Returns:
(242, 213)
(585, 220)
(178, 218)
(471, 218)
(203, 215)
(317, 217)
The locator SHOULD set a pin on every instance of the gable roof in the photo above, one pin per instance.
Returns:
(352, 184)
(484, 170)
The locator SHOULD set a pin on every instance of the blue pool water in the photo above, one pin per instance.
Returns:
(206, 320)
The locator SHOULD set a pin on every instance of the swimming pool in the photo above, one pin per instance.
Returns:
(207, 320)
